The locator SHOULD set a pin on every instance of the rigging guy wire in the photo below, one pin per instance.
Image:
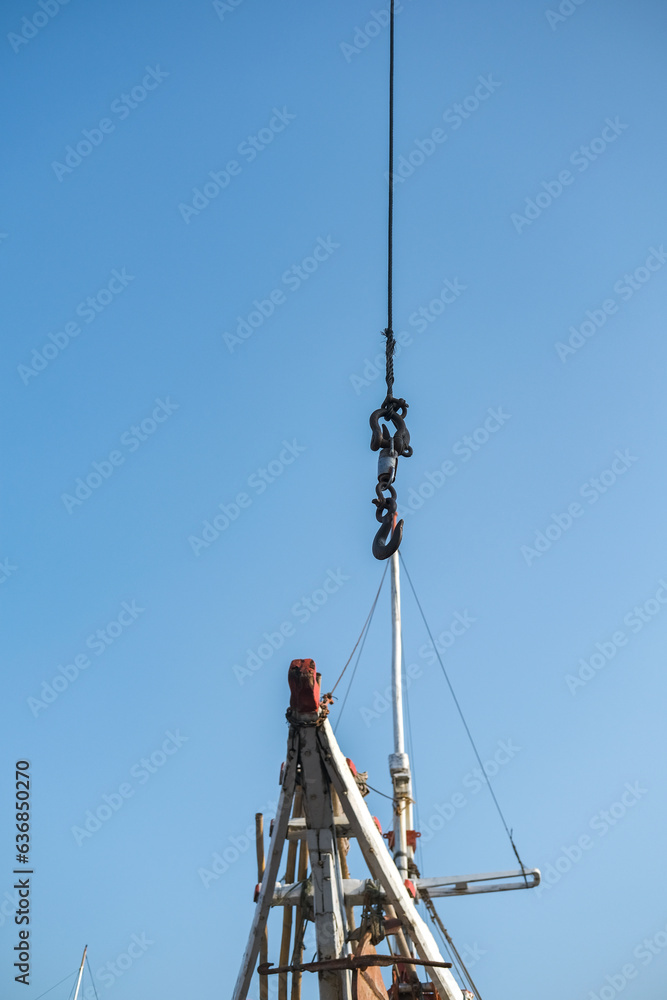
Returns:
(361, 649)
(465, 724)
(92, 977)
(57, 984)
(365, 626)
(378, 792)
(362, 635)
(449, 944)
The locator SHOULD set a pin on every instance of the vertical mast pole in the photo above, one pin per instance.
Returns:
(396, 657)
(78, 982)
(399, 762)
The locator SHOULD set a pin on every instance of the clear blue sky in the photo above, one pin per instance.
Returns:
(178, 345)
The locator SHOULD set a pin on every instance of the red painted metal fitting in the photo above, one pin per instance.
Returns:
(304, 683)
(410, 886)
(412, 838)
(350, 764)
(377, 823)
(389, 837)
(257, 890)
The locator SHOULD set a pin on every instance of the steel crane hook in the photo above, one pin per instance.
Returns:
(390, 533)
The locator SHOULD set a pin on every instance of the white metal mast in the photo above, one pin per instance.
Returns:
(399, 762)
(78, 982)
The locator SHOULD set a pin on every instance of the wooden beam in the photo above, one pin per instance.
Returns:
(287, 915)
(297, 957)
(264, 942)
(381, 864)
(271, 872)
(328, 904)
(297, 828)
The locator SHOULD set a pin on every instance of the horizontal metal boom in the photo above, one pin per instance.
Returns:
(355, 890)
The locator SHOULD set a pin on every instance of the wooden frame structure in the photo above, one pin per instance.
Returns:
(333, 808)
(316, 763)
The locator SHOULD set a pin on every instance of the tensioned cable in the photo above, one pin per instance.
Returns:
(378, 792)
(389, 333)
(349, 686)
(367, 628)
(463, 720)
(57, 984)
(448, 942)
(396, 443)
(92, 977)
(361, 634)
(452, 953)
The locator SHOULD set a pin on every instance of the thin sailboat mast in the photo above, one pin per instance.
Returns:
(78, 982)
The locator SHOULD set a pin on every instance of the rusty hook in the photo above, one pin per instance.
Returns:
(387, 539)
(389, 534)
